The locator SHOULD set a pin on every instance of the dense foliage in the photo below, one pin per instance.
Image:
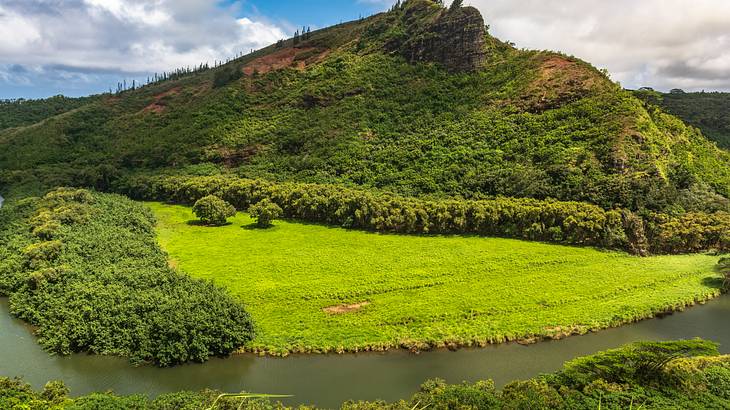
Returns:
(708, 111)
(552, 221)
(654, 376)
(724, 266)
(87, 271)
(265, 212)
(213, 211)
(313, 288)
(332, 110)
(17, 113)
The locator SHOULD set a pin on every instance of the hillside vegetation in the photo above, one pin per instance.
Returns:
(17, 113)
(85, 269)
(670, 375)
(710, 112)
(313, 288)
(373, 103)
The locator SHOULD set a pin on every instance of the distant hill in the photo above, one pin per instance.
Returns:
(709, 112)
(420, 101)
(20, 112)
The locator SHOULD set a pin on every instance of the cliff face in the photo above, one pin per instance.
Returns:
(455, 39)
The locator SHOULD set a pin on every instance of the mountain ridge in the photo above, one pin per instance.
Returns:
(369, 103)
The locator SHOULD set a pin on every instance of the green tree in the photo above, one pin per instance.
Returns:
(213, 211)
(265, 212)
(55, 391)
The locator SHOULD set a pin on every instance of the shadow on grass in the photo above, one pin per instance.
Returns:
(255, 227)
(714, 282)
(195, 222)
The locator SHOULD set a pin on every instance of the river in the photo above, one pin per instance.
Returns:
(329, 380)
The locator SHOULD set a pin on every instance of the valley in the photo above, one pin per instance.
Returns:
(335, 218)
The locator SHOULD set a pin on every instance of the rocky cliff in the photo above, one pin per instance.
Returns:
(455, 39)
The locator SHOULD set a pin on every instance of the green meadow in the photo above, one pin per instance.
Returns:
(313, 288)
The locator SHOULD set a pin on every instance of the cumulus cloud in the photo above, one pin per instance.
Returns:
(658, 43)
(86, 40)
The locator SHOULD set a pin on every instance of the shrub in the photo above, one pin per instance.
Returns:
(226, 75)
(55, 391)
(110, 264)
(724, 265)
(265, 212)
(213, 211)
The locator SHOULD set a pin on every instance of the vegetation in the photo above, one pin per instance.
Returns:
(18, 113)
(553, 221)
(331, 110)
(85, 269)
(724, 266)
(710, 112)
(265, 212)
(676, 375)
(213, 211)
(312, 288)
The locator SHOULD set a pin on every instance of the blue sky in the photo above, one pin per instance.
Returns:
(320, 13)
(82, 47)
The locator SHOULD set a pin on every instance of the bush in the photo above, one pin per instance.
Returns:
(265, 212)
(724, 265)
(213, 211)
(226, 75)
(110, 265)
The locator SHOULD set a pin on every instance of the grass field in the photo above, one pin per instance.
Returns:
(312, 288)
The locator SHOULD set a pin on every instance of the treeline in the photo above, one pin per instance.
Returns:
(668, 375)
(551, 221)
(85, 269)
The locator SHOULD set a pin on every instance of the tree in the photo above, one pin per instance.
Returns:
(456, 5)
(265, 212)
(213, 211)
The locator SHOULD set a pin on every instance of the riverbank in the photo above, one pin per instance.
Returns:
(329, 380)
(687, 374)
(317, 289)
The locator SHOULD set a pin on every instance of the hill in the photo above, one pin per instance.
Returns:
(21, 112)
(420, 101)
(710, 112)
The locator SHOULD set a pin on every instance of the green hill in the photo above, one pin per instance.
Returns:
(21, 112)
(710, 112)
(420, 101)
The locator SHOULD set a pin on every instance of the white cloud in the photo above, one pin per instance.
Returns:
(658, 43)
(84, 38)
(18, 32)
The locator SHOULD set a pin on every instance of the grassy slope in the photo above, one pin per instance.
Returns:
(709, 112)
(529, 124)
(422, 290)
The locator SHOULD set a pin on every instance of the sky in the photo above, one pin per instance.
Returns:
(82, 47)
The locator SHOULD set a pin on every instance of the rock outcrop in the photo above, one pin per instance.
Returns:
(455, 39)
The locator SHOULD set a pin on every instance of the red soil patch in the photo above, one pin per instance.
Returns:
(341, 309)
(157, 106)
(559, 81)
(298, 58)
